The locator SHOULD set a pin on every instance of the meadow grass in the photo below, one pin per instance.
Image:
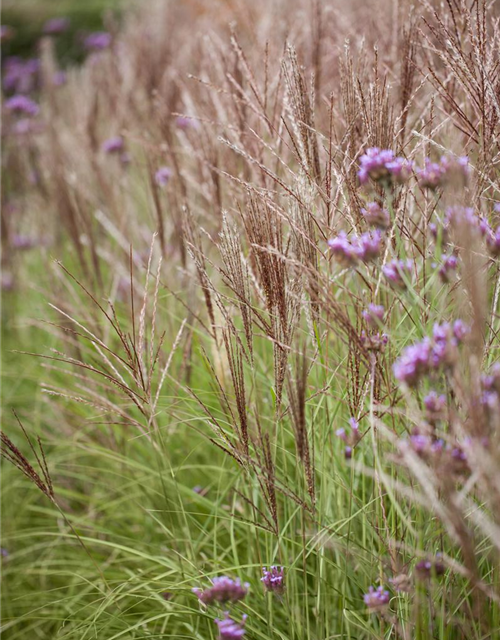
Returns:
(189, 350)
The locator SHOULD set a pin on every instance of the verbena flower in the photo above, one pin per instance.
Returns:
(435, 406)
(343, 251)
(449, 265)
(374, 315)
(426, 568)
(20, 76)
(274, 579)
(56, 26)
(376, 599)
(368, 245)
(162, 176)
(396, 271)
(22, 105)
(374, 341)
(431, 354)
(97, 41)
(381, 165)
(466, 217)
(437, 174)
(376, 215)
(223, 589)
(432, 175)
(183, 122)
(350, 251)
(229, 629)
(115, 144)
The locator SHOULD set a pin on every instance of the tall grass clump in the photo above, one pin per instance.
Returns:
(251, 325)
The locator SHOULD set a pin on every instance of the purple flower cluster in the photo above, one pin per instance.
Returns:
(397, 272)
(467, 218)
(351, 251)
(183, 122)
(22, 105)
(376, 215)
(162, 176)
(229, 629)
(97, 41)
(431, 354)
(274, 579)
(451, 457)
(223, 589)
(56, 26)
(20, 76)
(381, 165)
(376, 599)
(436, 174)
(425, 569)
(435, 406)
(115, 144)
(449, 266)
(374, 341)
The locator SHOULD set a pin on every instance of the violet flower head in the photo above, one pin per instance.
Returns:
(22, 105)
(185, 123)
(368, 245)
(162, 176)
(274, 579)
(456, 167)
(413, 363)
(97, 41)
(376, 215)
(431, 354)
(400, 169)
(449, 266)
(460, 330)
(396, 271)
(426, 568)
(373, 164)
(437, 174)
(229, 629)
(374, 315)
(56, 26)
(349, 251)
(432, 175)
(435, 406)
(113, 145)
(223, 589)
(343, 251)
(20, 76)
(376, 599)
(374, 341)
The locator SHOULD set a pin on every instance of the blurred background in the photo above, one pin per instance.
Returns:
(25, 21)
